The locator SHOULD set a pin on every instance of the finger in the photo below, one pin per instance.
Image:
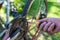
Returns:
(50, 29)
(46, 26)
(42, 25)
(43, 20)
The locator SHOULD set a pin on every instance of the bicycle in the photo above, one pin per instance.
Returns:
(19, 25)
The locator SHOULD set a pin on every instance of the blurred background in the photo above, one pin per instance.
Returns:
(16, 8)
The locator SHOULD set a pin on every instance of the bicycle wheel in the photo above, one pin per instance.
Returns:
(21, 23)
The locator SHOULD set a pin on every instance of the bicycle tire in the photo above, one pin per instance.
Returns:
(24, 13)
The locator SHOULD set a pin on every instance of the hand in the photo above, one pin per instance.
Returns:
(50, 25)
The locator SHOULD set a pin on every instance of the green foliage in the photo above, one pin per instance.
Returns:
(52, 0)
(19, 4)
(54, 9)
(34, 8)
